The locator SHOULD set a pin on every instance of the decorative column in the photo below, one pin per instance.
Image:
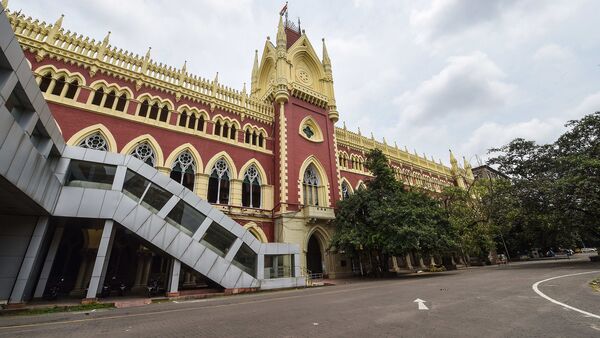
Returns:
(173, 290)
(101, 263)
(41, 285)
(26, 274)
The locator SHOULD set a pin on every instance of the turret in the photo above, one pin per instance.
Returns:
(468, 169)
(456, 171)
(254, 82)
(281, 91)
(331, 105)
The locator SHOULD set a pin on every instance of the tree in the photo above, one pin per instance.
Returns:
(385, 219)
(556, 187)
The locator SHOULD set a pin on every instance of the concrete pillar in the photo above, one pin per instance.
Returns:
(102, 258)
(174, 279)
(146, 271)
(45, 274)
(32, 258)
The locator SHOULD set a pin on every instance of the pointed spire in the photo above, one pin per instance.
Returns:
(359, 131)
(106, 39)
(384, 142)
(281, 37)
(184, 68)
(453, 161)
(148, 53)
(395, 145)
(58, 24)
(372, 137)
(406, 148)
(216, 80)
(344, 125)
(254, 80)
(244, 89)
(326, 60)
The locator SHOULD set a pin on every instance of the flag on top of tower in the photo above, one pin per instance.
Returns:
(284, 9)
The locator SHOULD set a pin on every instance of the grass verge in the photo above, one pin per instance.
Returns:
(65, 308)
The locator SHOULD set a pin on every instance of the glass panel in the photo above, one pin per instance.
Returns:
(279, 266)
(185, 217)
(91, 175)
(156, 197)
(245, 259)
(218, 239)
(134, 185)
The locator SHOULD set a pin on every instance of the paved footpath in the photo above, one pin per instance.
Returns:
(496, 301)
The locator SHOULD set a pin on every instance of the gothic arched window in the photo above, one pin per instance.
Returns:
(45, 83)
(200, 126)
(121, 102)
(311, 186)
(98, 95)
(184, 170)
(345, 190)
(58, 87)
(183, 119)
(144, 109)
(110, 99)
(251, 188)
(94, 141)
(145, 153)
(218, 183)
(72, 89)
(164, 114)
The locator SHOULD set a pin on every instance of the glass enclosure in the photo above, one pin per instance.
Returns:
(90, 175)
(245, 259)
(185, 217)
(218, 239)
(279, 266)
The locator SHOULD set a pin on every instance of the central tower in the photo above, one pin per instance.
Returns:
(299, 84)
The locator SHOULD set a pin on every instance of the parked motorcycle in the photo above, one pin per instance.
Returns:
(153, 288)
(53, 292)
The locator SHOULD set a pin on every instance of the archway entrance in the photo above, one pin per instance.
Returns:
(314, 256)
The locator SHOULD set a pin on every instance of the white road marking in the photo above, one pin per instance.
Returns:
(422, 305)
(541, 294)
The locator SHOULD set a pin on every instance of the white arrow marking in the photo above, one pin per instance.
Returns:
(422, 305)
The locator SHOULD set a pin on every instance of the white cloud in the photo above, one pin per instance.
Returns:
(491, 135)
(469, 84)
(590, 104)
(552, 53)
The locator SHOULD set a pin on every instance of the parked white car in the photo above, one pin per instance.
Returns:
(584, 250)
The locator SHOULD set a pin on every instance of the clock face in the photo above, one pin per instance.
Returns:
(304, 77)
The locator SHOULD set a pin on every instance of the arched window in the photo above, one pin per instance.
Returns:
(251, 188)
(154, 111)
(184, 170)
(192, 124)
(225, 130)
(72, 89)
(200, 126)
(247, 137)
(144, 108)
(58, 87)
(121, 102)
(110, 99)
(254, 138)
(45, 83)
(218, 128)
(94, 141)
(97, 100)
(233, 132)
(218, 183)
(183, 119)
(345, 190)
(164, 114)
(145, 153)
(261, 140)
(311, 186)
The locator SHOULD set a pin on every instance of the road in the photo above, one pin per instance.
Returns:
(495, 301)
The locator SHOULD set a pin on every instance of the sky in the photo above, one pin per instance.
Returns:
(466, 75)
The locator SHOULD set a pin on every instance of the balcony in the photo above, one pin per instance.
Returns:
(317, 213)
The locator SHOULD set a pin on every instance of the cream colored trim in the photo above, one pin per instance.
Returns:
(210, 164)
(257, 231)
(324, 238)
(152, 141)
(108, 136)
(324, 192)
(186, 146)
(358, 184)
(348, 183)
(308, 120)
(109, 86)
(261, 171)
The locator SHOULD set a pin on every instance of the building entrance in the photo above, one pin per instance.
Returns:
(314, 256)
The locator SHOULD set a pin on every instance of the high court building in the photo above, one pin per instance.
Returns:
(117, 168)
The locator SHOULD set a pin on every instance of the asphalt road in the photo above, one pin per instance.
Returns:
(486, 302)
